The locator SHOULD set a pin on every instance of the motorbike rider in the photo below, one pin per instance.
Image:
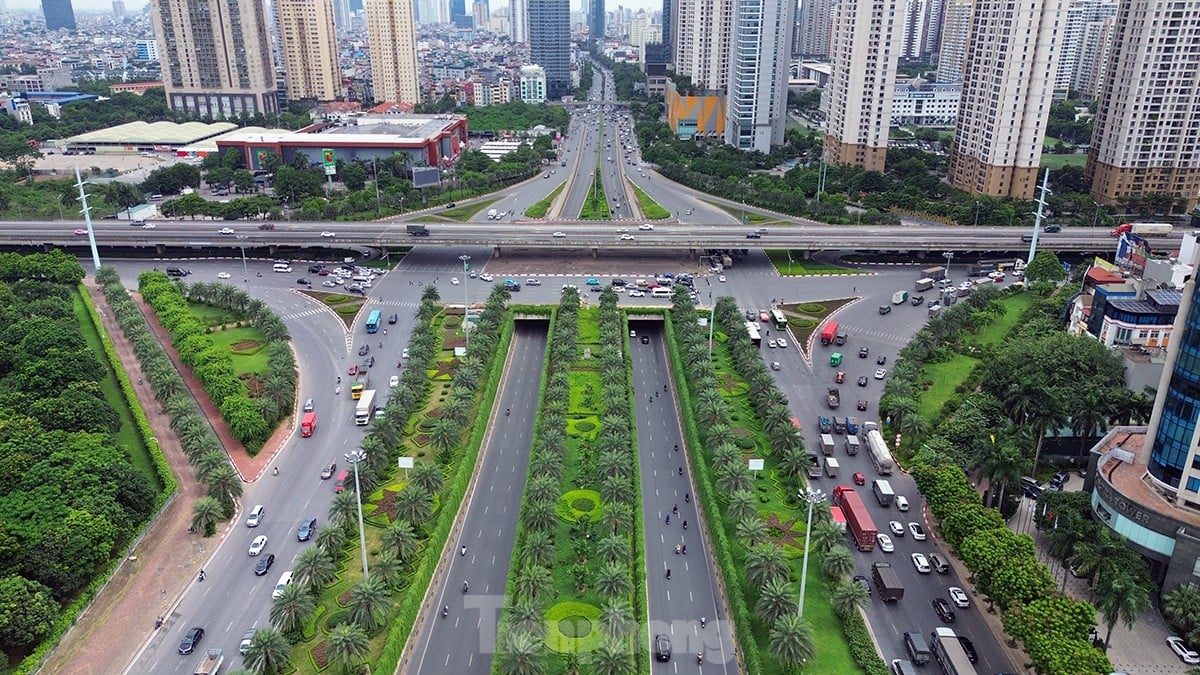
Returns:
(275, 471)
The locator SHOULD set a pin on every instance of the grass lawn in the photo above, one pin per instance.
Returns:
(1014, 307)
(465, 213)
(539, 209)
(650, 208)
(211, 316)
(1059, 161)
(833, 653)
(247, 358)
(741, 214)
(595, 207)
(944, 379)
(127, 436)
(798, 267)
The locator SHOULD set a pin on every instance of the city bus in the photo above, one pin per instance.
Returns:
(755, 338)
(373, 321)
(778, 320)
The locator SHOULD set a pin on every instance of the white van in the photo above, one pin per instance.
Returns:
(362, 279)
(281, 267)
(284, 582)
(661, 293)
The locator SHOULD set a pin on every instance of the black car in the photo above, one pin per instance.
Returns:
(1050, 229)
(451, 205)
(645, 339)
(370, 361)
(315, 269)
(362, 351)
(304, 282)
(864, 352)
(881, 360)
(192, 638)
(662, 647)
(862, 381)
(595, 289)
(944, 611)
(264, 564)
(307, 528)
(969, 648)
(618, 282)
(393, 318)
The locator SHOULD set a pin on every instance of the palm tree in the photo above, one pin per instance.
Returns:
(313, 569)
(735, 478)
(1122, 598)
(414, 504)
(331, 540)
(610, 658)
(540, 516)
(1099, 557)
(538, 548)
(1004, 464)
(445, 434)
(343, 512)
(616, 618)
(752, 530)
(838, 562)
(791, 641)
(268, 652)
(613, 581)
(613, 548)
(429, 476)
(764, 563)
(292, 609)
(542, 489)
(224, 485)
(532, 581)
(1182, 607)
(848, 595)
(826, 535)
(775, 599)
(522, 654)
(742, 504)
(347, 644)
(206, 513)
(525, 616)
(389, 567)
(400, 537)
(369, 601)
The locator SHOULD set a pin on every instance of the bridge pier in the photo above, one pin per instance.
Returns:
(495, 251)
(160, 249)
(595, 252)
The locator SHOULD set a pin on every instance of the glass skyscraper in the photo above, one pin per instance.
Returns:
(1174, 420)
(550, 43)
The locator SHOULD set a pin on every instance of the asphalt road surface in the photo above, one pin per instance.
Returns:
(676, 605)
(465, 640)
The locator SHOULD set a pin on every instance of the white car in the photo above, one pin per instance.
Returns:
(453, 281)
(645, 226)
(149, 226)
(897, 528)
(328, 234)
(394, 381)
(635, 293)
(223, 275)
(782, 343)
(1181, 650)
(329, 283)
(404, 354)
(917, 531)
(486, 277)
(627, 237)
(996, 276)
(259, 543)
(885, 543)
(560, 235)
(721, 278)
(921, 563)
(880, 374)
(225, 230)
(771, 344)
(533, 282)
(959, 597)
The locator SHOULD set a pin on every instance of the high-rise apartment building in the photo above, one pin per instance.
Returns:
(216, 57)
(550, 43)
(459, 16)
(533, 84)
(758, 73)
(1008, 87)
(864, 51)
(118, 9)
(479, 10)
(815, 28)
(703, 29)
(146, 50)
(518, 20)
(1080, 15)
(1094, 57)
(432, 11)
(920, 28)
(595, 20)
(952, 51)
(668, 27)
(341, 16)
(1147, 131)
(391, 36)
(309, 45)
(59, 14)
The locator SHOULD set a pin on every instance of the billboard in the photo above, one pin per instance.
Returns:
(425, 176)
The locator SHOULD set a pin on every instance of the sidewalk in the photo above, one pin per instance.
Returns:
(163, 565)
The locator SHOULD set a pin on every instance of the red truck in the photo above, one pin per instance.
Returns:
(829, 332)
(308, 424)
(857, 518)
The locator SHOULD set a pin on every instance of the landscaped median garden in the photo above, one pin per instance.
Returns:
(330, 615)
(733, 412)
(576, 579)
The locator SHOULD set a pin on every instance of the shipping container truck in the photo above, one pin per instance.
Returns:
(857, 517)
(365, 408)
(211, 663)
(924, 284)
(829, 332)
(1143, 229)
(934, 273)
(887, 581)
(827, 445)
(308, 424)
(883, 492)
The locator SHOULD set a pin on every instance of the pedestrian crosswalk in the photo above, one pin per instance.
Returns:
(308, 312)
(883, 336)
(396, 303)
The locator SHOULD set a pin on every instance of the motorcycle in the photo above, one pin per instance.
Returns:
(676, 549)
(685, 524)
(445, 611)
(462, 551)
(275, 471)
(464, 587)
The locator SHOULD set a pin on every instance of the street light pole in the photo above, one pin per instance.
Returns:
(245, 270)
(354, 457)
(712, 316)
(466, 310)
(813, 497)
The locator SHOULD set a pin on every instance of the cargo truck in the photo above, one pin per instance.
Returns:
(934, 273)
(899, 297)
(211, 663)
(834, 398)
(365, 408)
(883, 492)
(831, 467)
(949, 652)
(827, 445)
(839, 339)
(417, 230)
(852, 445)
(360, 385)
(852, 425)
(308, 424)
(829, 332)
(1143, 229)
(491, 214)
(881, 457)
(887, 581)
(814, 465)
(839, 425)
(857, 517)
(924, 284)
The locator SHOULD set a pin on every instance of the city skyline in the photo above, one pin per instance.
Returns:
(105, 6)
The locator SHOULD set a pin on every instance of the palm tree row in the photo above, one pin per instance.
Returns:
(766, 568)
(222, 484)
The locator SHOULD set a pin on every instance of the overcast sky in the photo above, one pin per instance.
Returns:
(133, 5)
